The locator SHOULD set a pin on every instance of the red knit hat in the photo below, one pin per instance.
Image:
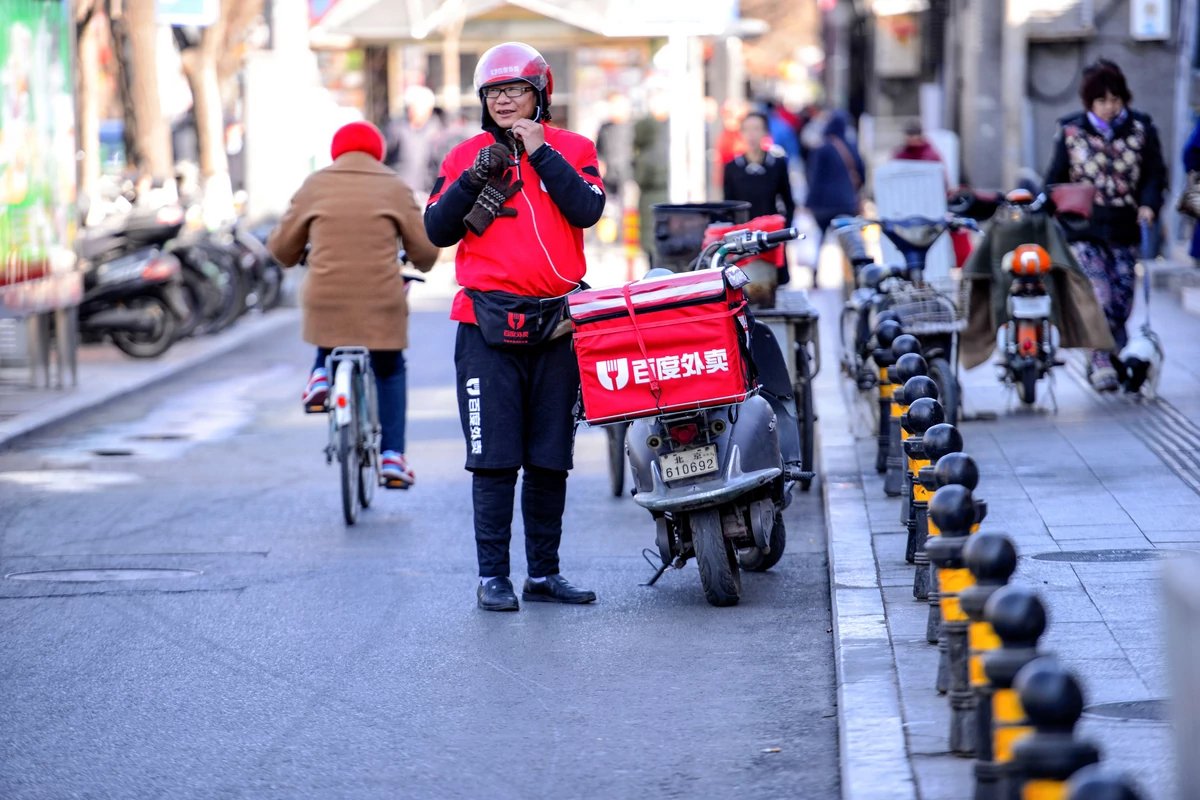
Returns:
(358, 137)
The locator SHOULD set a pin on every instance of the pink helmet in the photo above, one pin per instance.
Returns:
(514, 61)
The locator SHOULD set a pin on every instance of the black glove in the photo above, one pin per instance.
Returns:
(490, 204)
(491, 162)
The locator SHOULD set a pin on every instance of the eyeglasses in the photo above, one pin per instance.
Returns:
(492, 92)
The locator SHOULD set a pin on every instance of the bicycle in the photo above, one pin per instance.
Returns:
(355, 432)
(933, 310)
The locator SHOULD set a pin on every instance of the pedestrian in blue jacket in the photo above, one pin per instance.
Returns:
(1191, 163)
(834, 169)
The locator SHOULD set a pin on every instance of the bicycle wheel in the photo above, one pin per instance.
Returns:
(348, 453)
(368, 479)
(948, 389)
(805, 413)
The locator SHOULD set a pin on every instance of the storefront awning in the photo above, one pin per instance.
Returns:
(415, 20)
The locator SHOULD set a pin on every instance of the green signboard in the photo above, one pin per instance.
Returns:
(37, 155)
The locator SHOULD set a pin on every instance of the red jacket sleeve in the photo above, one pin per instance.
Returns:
(574, 186)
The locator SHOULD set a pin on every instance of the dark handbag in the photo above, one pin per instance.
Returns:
(515, 321)
(1189, 201)
(1073, 198)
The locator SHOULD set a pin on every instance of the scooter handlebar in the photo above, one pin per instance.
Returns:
(779, 237)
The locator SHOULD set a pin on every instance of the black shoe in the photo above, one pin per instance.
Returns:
(497, 595)
(555, 589)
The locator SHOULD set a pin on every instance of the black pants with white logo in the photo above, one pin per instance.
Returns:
(517, 408)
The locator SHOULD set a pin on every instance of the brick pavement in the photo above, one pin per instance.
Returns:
(1102, 473)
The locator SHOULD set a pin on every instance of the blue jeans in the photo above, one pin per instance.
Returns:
(391, 388)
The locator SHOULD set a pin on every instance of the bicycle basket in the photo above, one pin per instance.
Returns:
(933, 307)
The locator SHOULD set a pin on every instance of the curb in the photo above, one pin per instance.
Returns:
(80, 401)
(871, 738)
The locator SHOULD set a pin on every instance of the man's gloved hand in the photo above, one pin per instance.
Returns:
(491, 162)
(490, 204)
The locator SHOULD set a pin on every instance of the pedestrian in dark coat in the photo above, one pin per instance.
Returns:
(835, 170)
(1115, 148)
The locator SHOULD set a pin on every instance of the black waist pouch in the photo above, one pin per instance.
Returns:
(516, 321)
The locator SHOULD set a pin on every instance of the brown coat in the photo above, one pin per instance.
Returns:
(356, 214)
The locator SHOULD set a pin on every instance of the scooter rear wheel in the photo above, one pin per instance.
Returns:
(716, 559)
(149, 344)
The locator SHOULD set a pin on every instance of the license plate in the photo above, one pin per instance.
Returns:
(689, 463)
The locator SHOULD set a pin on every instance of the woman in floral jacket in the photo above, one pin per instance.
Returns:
(1115, 148)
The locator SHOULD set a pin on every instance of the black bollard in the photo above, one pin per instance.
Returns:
(904, 345)
(1095, 782)
(885, 335)
(1019, 619)
(992, 559)
(923, 413)
(953, 510)
(916, 388)
(1046, 759)
(939, 441)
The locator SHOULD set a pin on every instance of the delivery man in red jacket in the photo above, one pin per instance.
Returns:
(515, 199)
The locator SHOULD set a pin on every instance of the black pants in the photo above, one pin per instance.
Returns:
(518, 411)
(543, 500)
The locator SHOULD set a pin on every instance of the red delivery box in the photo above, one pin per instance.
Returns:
(660, 345)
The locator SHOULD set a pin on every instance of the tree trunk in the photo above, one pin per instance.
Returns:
(452, 80)
(151, 134)
(89, 109)
(118, 33)
(200, 67)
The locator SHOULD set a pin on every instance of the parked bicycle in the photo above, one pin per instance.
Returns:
(933, 310)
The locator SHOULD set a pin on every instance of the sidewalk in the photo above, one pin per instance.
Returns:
(1107, 474)
(106, 374)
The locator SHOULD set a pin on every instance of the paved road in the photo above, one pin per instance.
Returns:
(306, 659)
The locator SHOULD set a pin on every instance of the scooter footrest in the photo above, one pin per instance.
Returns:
(797, 474)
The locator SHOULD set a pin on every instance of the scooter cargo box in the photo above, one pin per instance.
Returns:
(661, 345)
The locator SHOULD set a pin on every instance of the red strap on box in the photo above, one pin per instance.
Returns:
(655, 388)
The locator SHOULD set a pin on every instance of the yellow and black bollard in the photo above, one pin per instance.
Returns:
(1019, 619)
(1045, 760)
(904, 345)
(992, 559)
(953, 469)
(953, 510)
(885, 335)
(939, 441)
(918, 391)
(922, 415)
(1095, 782)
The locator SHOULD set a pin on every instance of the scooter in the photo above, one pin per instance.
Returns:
(717, 479)
(132, 291)
(1028, 341)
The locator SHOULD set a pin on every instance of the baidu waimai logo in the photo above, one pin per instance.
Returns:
(614, 374)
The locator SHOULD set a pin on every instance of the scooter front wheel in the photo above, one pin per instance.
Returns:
(1027, 387)
(716, 558)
